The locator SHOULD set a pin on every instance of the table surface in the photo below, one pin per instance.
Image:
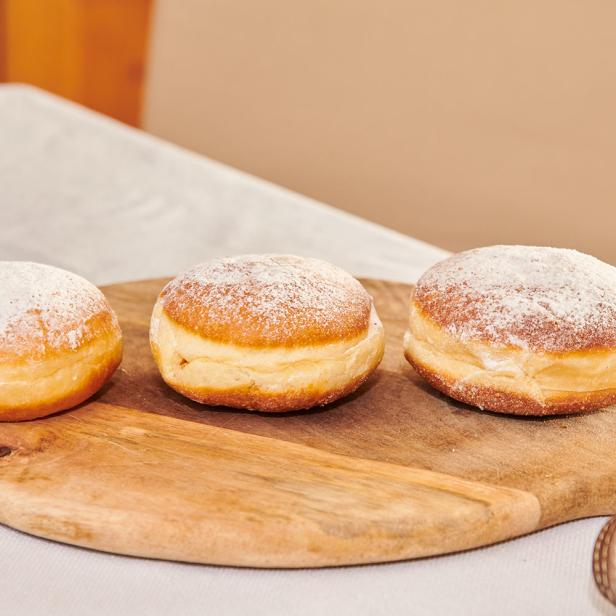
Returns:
(85, 193)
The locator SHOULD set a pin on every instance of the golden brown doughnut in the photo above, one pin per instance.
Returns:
(517, 329)
(265, 332)
(59, 340)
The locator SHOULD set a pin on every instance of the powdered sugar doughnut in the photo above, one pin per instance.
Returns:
(265, 332)
(59, 340)
(517, 329)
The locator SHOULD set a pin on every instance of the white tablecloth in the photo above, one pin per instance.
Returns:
(82, 192)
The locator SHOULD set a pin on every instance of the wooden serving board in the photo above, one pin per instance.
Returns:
(395, 471)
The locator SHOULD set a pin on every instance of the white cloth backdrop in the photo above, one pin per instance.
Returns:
(82, 192)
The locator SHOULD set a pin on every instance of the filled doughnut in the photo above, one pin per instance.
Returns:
(59, 340)
(517, 329)
(266, 333)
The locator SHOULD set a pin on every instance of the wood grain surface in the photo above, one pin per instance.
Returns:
(395, 471)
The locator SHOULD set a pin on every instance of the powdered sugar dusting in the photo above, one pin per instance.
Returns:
(44, 307)
(523, 296)
(260, 299)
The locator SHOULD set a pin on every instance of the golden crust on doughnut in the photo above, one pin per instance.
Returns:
(296, 333)
(521, 330)
(501, 401)
(30, 344)
(268, 301)
(541, 298)
(59, 340)
(255, 398)
(59, 382)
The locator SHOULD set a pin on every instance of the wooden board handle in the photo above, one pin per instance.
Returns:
(604, 561)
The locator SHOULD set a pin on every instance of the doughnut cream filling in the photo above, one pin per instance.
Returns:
(195, 362)
(543, 376)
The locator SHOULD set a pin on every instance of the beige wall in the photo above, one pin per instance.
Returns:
(461, 123)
